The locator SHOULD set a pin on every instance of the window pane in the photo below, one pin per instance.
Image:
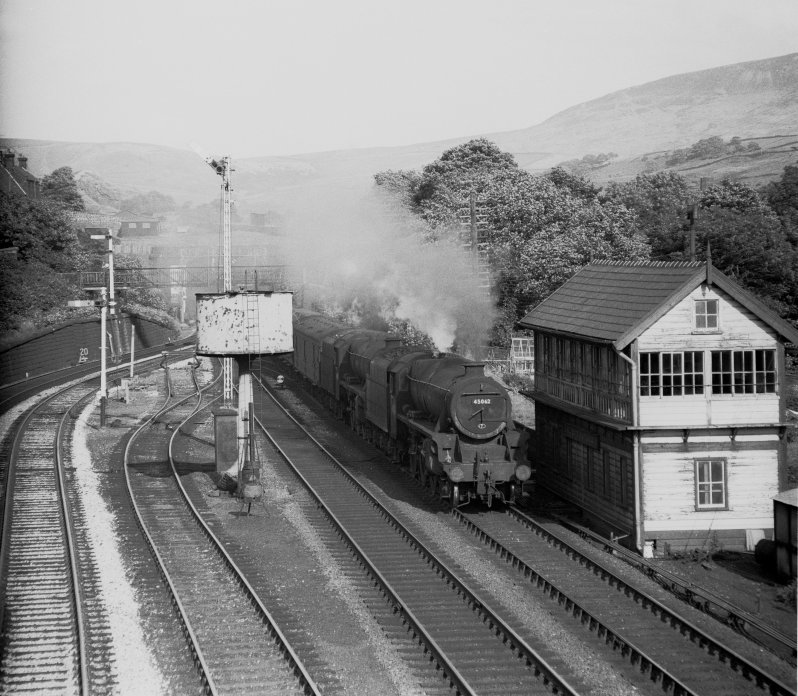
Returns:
(710, 483)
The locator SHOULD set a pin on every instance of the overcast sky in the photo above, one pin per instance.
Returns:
(275, 77)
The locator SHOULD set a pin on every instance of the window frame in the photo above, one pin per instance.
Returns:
(705, 315)
(656, 383)
(743, 372)
(724, 483)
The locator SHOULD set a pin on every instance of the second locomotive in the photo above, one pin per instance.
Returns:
(438, 414)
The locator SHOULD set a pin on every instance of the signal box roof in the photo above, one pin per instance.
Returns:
(615, 302)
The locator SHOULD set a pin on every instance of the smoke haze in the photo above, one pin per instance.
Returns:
(356, 251)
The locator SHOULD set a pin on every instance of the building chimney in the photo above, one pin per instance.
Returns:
(23, 162)
(8, 160)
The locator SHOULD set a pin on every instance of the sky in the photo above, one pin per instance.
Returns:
(279, 77)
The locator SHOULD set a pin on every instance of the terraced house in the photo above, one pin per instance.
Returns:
(660, 404)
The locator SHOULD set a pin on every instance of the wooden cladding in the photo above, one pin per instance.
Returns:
(587, 375)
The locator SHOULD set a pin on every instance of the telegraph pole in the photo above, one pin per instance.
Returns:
(692, 217)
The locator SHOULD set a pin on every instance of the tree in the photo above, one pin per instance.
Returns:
(542, 233)
(446, 183)
(751, 247)
(152, 203)
(733, 195)
(40, 232)
(660, 201)
(782, 195)
(576, 184)
(60, 187)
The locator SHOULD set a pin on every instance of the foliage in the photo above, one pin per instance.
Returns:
(446, 184)
(152, 203)
(576, 184)
(39, 230)
(544, 233)
(32, 296)
(399, 184)
(542, 229)
(588, 162)
(782, 196)
(660, 201)
(733, 195)
(750, 246)
(35, 283)
(61, 188)
(711, 148)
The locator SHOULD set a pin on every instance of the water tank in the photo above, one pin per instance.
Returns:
(244, 323)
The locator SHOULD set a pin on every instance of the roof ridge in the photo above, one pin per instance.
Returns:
(648, 264)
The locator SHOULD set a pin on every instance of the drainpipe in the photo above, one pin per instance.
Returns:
(635, 394)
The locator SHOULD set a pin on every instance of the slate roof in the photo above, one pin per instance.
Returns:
(17, 180)
(616, 302)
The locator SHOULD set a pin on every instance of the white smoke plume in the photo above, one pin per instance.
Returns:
(358, 250)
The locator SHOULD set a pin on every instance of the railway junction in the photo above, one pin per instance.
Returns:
(277, 504)
(345, 575)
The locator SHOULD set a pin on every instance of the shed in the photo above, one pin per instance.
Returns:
(785, 521)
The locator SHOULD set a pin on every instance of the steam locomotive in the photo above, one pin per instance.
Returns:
(439, 415)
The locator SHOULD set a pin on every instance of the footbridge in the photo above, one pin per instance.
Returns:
(200, 278)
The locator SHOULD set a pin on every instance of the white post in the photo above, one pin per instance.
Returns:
(111, 300)
(132, 348)
(103, 393)
(103, 344)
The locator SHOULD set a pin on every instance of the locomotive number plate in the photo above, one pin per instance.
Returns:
(485, 402)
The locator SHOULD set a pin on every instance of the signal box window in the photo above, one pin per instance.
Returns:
(710, 484)
(672, 374)
(706, 315)
(743, 371)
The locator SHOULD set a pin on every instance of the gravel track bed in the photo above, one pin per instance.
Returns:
(315, 595)
(374, 472)
(556, 642)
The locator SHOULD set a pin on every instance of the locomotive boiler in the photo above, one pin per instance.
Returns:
(439, 415)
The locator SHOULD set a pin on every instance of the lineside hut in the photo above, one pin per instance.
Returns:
(660, 404)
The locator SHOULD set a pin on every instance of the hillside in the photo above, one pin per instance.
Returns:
(753, 100)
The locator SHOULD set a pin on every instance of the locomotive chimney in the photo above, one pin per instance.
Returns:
(475, 369)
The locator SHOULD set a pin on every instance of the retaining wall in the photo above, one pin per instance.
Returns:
(75, 343)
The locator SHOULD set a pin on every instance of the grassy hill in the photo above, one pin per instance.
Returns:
(753, 100)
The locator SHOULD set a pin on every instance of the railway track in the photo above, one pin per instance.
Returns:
(236, 644)
(45, 640)
(464, 642)
(56, 635)
(701, 598)
(667, 651)
(666, 647)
